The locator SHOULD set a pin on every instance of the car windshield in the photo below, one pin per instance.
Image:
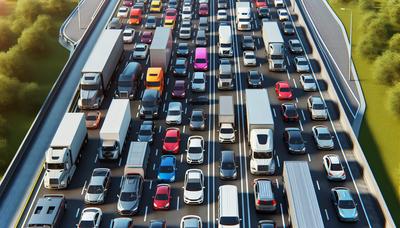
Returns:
(294, 44)
(309, 80)
(54, 165)
(193, 186)
(229, 221)
(171, 139)
(249, 56)
(166, 169)
(336, 167)
(174, 113)
(225, 76)
(86, 224)
(302, 62)
(91, 118)
(254, 76)
(227, 165)
(264, 10)
(318, 106)
(184, 31)
(346, 204)
(262, 155)
(150, 20)
(324, 136)
(95, 189)
(200, 61)
(226, 130)
(197, 118)
(225, 45)
(153, 84)
(161, 197)
(296, 139)
(283, 13)
(127, 33)
(145, 132)
(195, 150)
(198, 80)
(124, 83)
(182, 48)
(284, 89)
(222, 13)
(128, 196)
(170, 14)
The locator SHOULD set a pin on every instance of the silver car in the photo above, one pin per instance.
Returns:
(199, 82)
(174, 114)
(185, 33)
(344, 204)
(301, 64)
(264, 198)
(295, 46)
(193, 189)
(333, 167)
(308, 83)
(98, 186)
(90, 217)
(131, 192)
(191, 221)
(317, 108)
(249, 58)
(151, 22)
(323, 137)
(187, 13)
(288, 28)
(195, 150)
(197, 120)
(140, 51)
(222, 15)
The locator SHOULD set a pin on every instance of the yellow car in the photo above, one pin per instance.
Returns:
(169, 24)
(155, 6)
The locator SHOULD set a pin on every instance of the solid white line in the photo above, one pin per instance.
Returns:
(83, 188)
(159, 129)
(77, 212)
(156, 152)
(302, 113)
(138, 107)
(273, 110)
(319, 189)
(177, 204)
(283, 217)
(147, 60)
(181, 158)
(167, 81)
(95, 159)
(309, 157)
(277, 183)
(166, 96)
(137, 115)
(185, 110)
(277, 160)
(295, 84)
(164, 107)
(151, 184)
(145, 214)
(326, 213)
(154, 166)
(120, 160)
(297, 100)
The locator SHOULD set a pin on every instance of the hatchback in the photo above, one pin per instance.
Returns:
(195, 150)
(98, 186)
(147, 37)
(162, 197)
(181, 66)
(248, 43)
(182, 49)
(264, 195)
(288, 28)
(197, 120)
(227, 166)
(254, 79)
(283, 90)
(179, 90)
(174, 113)
(167, 169)
(172, 139)
(199, 82)
(294, 140)
(193, 188)
(289, 112)
(333, 167)
(151, 22)
(92, 119)
(146, 132)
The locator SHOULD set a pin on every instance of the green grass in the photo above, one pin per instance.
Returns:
(379, 135)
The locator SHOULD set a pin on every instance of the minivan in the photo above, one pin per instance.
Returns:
(48, 211)
(228, 210)
(201, 59)
(201, 39)
(128, 81)
(155, 79)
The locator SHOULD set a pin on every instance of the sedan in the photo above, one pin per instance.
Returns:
(249, 58)
(173, 4)
(203, 9)
(128, 35)
(199, 82)
(322, 137)
(98, 186)
(195, 150)
(301, 64)
(182, 49)
(181, 66)
(289, 112)
(263, 12)
(167, 169)
(222, 15)
(248, 43)
(260, 3)
(92, 119)
(174, 113)
(187, 13)
(172, 140)
(197, 120)
(158, 224)
(317, 108)
(283, 90)
(193, 188)
(151, 22)
(333, 167)
(344, 204)
(185, 33)
(171, 14)
(283, 14)
(288, 28)
(308, 83)
(179, 90)
(90, 217)
(147, 37)
(146, 132)
(162, 198)
(227, 165)
(121, 222)
(123, 12)
(295, 46)
(254, 79)
(140, 51)
(294, 140)
(191, 221)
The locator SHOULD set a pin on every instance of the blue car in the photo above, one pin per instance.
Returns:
(166, 171)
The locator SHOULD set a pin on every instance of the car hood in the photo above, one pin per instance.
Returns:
(127, 205)
(196, 123)
(228, 172)
(165, 176)
(195, 156)
(348, 213)
(173, 118)
(325, 143)
(170, 146)
(94, 197)
(145, 138)
(296, 147)
(194, 195)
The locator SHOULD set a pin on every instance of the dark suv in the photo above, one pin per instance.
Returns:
(149, 108)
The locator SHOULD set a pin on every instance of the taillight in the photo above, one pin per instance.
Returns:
(273, 202)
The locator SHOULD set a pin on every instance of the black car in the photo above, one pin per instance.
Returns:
(227, 169)
(266, 224)
(263, 12)
(254, 78)
(248, 43)
(199, 100)
(146, 132)
(181, 66)
(182, 49)
(295, 46)
(294, 140)
(289, 112)
(288, 28)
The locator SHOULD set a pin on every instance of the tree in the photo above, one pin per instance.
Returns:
(9, 88)
(34, 39)
(57, 8)
(393, 12)
(26, 12)
(366, 4)
(387, 68)
(13, 63)
(394, 43)
(7, 37)
(394, 100)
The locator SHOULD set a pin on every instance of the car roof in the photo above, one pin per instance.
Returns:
(283, 84)
(172, 131)
(344, 193)
(175, 105)
(265, 188)
(121, 222)
(194, 174)
(227, 155)
(167, 160)
(333, 158)
(89, 213)
(322, 129)
(162, 188)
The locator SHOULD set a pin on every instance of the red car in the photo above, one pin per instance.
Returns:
(179, 90)
(128, 3)
(172, 140)
(283, 90)
(289, 112)
(147, 37)
(171, 14)
(162, 198)
(203, 9)
(260, 3)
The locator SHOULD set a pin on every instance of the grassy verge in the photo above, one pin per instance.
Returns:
(379, 136)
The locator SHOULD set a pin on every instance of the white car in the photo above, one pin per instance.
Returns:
(98, 186)
(333, 167)
(140, 51)
(199, 82)
(301, 64)
(195, 150)
(90, 217)
(187, 13)
(193, 189)
(222, 15)
(249, 58)
(191, 221)
(317, 108)
(323, 137)
(283, 14)
(123, 12)
(174, 114)
(128, 35)
(308, 83)
(185, 33)
(279, 3)
(203, 1)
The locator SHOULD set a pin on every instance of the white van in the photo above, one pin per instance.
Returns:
(228, 210)
(225, 41)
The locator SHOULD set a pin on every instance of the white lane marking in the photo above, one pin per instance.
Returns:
(181, 158)
(283, 217)
(185, 110)
(166, 96)
(277, 161)
(120, 183)
(295, 84)
(164, 107)
(120, 160)
(304, 116)
(273, 110)
(159, 129)
(167, 80)
(77, 212)
(288, 75)
(154, 166)
(287, 58)
(177, 204)
(137, 115)
(95, 159)
(83, 188)
(319, 189)
(297, 100)
(277, 183)
(138, 107)
(301, 126)
(145, 214)
(326, 213)
(147, 60)
(184, 128)
(156, 152)
(151, 184)
(309, 157)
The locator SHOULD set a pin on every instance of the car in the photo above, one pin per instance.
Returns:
(201, 38)
(128, 3)
(172, 140)
(90, 217)
(222, 4)
(227, 165)
(130, 194)
(308, 83)
(254, 79)
(301, 64)
(195, 150)
(181, 67)
(288, 28)
(187, 13)
(317, 108)
(344, 204)
(162, 197)
(248, 43)
(158, 224)
(295, 46)
(283, 90)
(115, 23)
(249, 58)
(198, 82)
(203, 9)
(140, 51)
(167, 169)
(146, 132)
(289, 112)
(139, 5)
(99, 183)
(263, 12)
(173, 4)
(121, 223)
(151, 22)
(174, 113)
(135, 17)
(191, 221)
(279, 3)
(266, 224)
(187, 2)
(193, 187)
(186, 24)
(322, 137)
(128, 35)
(264, 197)
(179, 90)
(155, 6)
(203, 1)
(171, 14)
(185, 33)
(92, 119)
(182, 50)
(222, 15)
(123, 12)
(260, 3)
(203, 24)
(294, 140)
(283, 14)
(197, 120)
(333, 167)
(147, 37)
(199, 100)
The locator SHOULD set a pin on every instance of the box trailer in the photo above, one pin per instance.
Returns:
(161, 48)
(226, 120)
(274, 45)
(138, 156)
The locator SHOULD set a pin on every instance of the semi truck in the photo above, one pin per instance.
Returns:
(226, 120)
(298, 187)
(225, 41)
(260, 132)
(64, 151)
(99, 68)
(138, 156)
(243, 15)
(115, 128)
(161, 48)
(274, 45)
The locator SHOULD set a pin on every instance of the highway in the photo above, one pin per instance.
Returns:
(208, 211)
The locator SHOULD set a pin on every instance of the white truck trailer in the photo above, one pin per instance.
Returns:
(99, 68)
(64, 151)
(274, 45)
(260, 131)
(243, 16)
(161, 48)
(115, 129)
(226, 120)
(138, 156)
(302, 201)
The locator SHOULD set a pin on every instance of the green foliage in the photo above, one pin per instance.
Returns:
(393, 12)
(387, 68)
(3, 145)
(366, 4)
(57, 8)
(394, 100)
(33, 40)
(13, 63)
(26, 12)
(394, 43)
(8, 37)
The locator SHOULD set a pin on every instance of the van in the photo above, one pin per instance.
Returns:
(48, 211)
(225, 41)
(203, 23)
(128, 81)
(201, 59)
(135, 17)
(201, 39)
(228, 210)
(155, 79)
(150, 104)
(138, 155)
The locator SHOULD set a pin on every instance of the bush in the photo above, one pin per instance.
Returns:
(366, 4)
(9, 88)
(387, 68)
(13, 63)
(26, 12)
(34, 39)
(7, 37)
(57, 8)
(394, 100)
(394, 43)
(393, 11)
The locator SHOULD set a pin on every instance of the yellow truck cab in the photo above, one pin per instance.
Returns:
(155, 79)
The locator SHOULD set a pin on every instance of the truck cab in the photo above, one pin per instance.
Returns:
(155, 79)
(91, 91)
(59, 164)
(149, 107)
(262, 153)
(243, 16)
(275, 53)
(128, 81)
(225, 41)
